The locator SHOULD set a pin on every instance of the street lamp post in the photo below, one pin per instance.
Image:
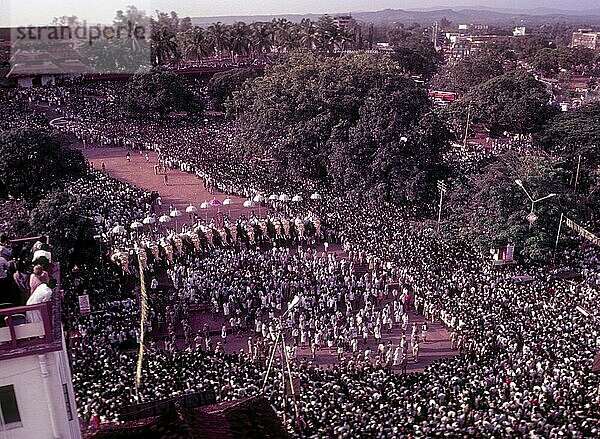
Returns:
(442, 188)
(532, 217)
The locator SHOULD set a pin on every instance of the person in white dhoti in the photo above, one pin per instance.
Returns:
(43, 293)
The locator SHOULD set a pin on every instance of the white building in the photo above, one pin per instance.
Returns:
(519, 31)
(36, 390)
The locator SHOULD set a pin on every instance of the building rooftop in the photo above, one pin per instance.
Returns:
(20, 336)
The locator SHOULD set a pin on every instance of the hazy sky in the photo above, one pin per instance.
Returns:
(38, 12)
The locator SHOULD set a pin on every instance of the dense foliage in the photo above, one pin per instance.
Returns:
(463, 75)
(222, 85)
(160, 91)
(514, 102)
(414, 53)
(490, 209)
(354, 121)
(575, 133)
(33, 163)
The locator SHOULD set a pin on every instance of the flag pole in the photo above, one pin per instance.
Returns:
(144, 318)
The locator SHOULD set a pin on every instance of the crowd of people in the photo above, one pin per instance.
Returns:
(525, 351)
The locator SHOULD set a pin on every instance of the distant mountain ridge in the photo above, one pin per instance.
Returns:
(429, 15)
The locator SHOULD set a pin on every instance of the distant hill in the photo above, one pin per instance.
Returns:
(456, 15)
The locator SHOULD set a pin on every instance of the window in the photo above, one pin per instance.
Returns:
(8, 405)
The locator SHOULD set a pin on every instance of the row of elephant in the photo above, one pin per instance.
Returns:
(204, 238)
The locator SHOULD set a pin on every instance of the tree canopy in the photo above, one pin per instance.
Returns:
(470, 72)
(59, 216)
(352, 120)
(415, 53)
(33, 163)
(490, 209)
(514, 102)
(570, 134)
(222, 85)
(160, 91)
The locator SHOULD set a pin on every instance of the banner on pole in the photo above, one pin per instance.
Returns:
(582, 232)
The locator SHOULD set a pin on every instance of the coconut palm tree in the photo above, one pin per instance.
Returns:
(344, 39)
(261, 38)
(326, 33)
(194, 44)
(239, 40)
(282, 31)
(307, 34)
(164, 45)
(218, 35)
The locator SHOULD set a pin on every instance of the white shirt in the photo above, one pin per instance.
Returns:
(41, 294)
(40, 253)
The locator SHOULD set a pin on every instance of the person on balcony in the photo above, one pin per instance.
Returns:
(43, 293)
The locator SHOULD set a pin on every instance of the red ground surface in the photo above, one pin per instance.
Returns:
(184, 188)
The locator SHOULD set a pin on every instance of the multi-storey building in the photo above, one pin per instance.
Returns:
(36, 390)
(586, 38)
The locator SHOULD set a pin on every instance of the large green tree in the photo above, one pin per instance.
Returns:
(470, 72)
(489, 209)
(317, 117)
(33, 163)
(59, 216)
(222, 85)
(160, 91)
(514, 102)
(415, 53)
(394, 152)
(575, 137)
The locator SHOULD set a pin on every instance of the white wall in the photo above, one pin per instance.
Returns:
(25, 375)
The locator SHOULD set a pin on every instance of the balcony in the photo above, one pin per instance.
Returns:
(30, 330)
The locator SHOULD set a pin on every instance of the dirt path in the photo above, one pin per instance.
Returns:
(184, 188)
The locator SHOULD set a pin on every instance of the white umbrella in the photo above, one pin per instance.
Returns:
(205, 206)
(316, 196)
(136, 225)
(149, 220)
(118, 230)
(273, 197)
(284, 197)
(249, 203)
(258, 198)
(297, 198)
(175, 214)
(164, 219)
(228, 202)
(191, 209)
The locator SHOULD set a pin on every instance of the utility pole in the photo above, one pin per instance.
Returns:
(577, 173)
(442, 188)
(467, 128)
